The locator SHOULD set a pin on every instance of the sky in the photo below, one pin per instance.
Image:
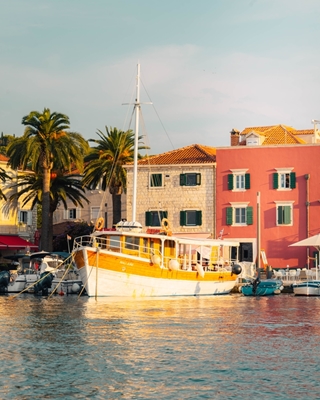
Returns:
(207, 66)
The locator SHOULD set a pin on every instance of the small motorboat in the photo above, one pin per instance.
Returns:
(262, 287)
(42, 272)
(307, 288)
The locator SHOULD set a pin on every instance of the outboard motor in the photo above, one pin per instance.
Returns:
(44, 283)
(4, 280)
(236, 269)
(255, 285)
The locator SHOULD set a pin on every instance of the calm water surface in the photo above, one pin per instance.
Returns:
(228, 347)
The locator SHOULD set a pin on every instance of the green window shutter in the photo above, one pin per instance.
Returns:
(183, 218)
(198, 179)
(163, 214)
(287, 214)
(148, 218)
(229, 215)
(230, 181)
(275, 180)
(280, 219)
(247, 181)
(183, 180)
(292, 180)
(199, 218)
(249, 215)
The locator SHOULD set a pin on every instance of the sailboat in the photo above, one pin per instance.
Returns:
(130, 262)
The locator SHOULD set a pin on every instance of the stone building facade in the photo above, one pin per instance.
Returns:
(179, 186)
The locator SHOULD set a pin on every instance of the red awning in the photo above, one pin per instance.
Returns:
(15, 242)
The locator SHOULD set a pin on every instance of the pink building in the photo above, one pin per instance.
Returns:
(287, 178)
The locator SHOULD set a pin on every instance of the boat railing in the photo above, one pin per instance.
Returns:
(117, 245)
(186, 258)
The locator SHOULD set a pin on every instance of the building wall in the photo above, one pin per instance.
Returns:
(261, 162)
(10, 222)
(100, 202)
(174, 198)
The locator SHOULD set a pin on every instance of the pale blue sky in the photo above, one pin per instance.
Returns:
(207, 65)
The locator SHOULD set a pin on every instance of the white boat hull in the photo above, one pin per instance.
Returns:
(23, 282)
(308, 288)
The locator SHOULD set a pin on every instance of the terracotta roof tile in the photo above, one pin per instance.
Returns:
(193, 154)
(3, 158)
(276, 134)
(304, 132)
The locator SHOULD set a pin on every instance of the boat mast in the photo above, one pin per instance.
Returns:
(136, 136)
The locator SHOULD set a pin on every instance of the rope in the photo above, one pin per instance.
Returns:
(39, 280)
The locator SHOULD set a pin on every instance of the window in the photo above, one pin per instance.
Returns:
(156, 180)
(239, 214)
(239, 180)
(190, 179)
(284, 213)
(284, 179)
(95, 212)
(132, 243)
(190, 218)
(72, 213)
(154, 218)
(25, 217)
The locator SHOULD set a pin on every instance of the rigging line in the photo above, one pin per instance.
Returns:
(40, 279)
(132, 97)
(158, 115)
(159, 206)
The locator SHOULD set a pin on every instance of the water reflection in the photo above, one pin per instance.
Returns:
(218, 347)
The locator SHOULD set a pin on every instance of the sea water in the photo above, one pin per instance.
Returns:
(223, 347)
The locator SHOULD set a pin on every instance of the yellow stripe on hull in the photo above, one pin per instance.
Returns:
(143, 268)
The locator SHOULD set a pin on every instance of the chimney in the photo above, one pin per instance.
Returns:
(235, 137)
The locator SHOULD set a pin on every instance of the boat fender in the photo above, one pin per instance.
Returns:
(174, 265)
(75, 288)
(155, 259)
(99, 224)
(236, 269)
(200, 270)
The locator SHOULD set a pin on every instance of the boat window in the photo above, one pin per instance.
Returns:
(132, 242)
(115, 242)
(145, 245)
(170, 244)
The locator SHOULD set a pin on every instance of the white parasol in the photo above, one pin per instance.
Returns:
(312, 241)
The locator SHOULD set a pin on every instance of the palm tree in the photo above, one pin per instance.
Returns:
(3, 178)
(62, 188)
(104, 164)
(45, 141)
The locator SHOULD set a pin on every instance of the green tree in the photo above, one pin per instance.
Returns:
(5, 140)
(3, 178)
(104, 164)
(62, 188)
(46, 142)
(73, 230)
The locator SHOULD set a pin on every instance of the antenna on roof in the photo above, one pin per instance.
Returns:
(315, 129)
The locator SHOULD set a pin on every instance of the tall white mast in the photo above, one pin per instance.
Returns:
(136, 136)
